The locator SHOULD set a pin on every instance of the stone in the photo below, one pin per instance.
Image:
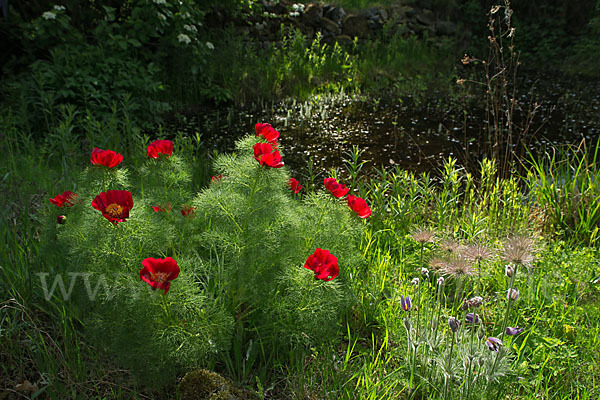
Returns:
(376, 17)
(445, 28)
(336, 14)
(344, 40)
(399, 13)
(420, 28)
(356, 26)
(312, 14)
(426, 17)
(328, 25)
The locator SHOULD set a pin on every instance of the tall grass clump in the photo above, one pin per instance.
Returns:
(565, 187)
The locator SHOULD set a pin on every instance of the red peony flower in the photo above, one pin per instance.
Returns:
(159, 147)
(188, 211)
(359, 206)
(267, 132)
(107, 158)
(266, 155)
(158, 208)
(114, 205)
(65, 199)
(337, 190)
(294, 185)
(159, 272)
(217, 178)
(324, 264)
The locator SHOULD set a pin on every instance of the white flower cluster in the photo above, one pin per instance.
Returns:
(59, 8)
(210, 46)
(183, 38)
(49, 15)
(190, 28)
(298, 7)
(160, 2)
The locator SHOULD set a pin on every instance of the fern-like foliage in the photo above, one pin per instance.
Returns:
(241, 253)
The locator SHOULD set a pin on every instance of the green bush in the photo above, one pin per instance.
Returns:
(241, 250)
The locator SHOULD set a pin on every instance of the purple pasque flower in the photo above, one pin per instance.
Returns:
(453, 324)
(512, 294)
(510, 331)
(405, 303)
(472, 318)
(493, 343)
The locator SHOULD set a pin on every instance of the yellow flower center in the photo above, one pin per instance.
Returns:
(159, 277)
(114, 210)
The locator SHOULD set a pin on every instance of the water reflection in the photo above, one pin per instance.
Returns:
(415, 135)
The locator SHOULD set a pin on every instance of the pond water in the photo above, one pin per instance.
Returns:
(413, 133)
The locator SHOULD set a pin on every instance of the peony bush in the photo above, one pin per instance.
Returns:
(170, 280)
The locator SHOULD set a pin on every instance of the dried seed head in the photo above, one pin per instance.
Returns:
(450, 245)
(477, 252)
(520, 249)
(457, 267)
(438, 263)
(422, 236)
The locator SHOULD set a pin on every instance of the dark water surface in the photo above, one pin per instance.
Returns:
(413, 133)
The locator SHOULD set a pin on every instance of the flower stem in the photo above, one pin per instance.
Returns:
(316, 230)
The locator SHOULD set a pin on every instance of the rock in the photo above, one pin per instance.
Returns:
(328, 25)
(400, 13)
(344, 40)
(411, 12)
(336, 14)
(426, 17)
(307, 30)
(356, 25)
(420, 28)
(446, 28)
(312, 14)
(376, 17)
